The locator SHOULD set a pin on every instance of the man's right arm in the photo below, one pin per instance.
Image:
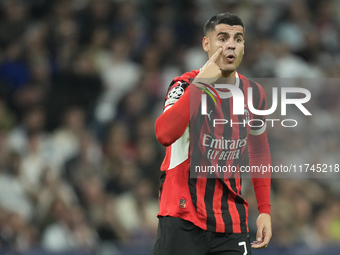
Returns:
(174, 120)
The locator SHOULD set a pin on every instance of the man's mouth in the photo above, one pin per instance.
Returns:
(231, 57)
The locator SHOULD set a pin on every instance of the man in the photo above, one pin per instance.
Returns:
(209, 215)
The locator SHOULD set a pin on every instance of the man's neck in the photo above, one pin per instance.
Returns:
(226, 74)
(227, 78)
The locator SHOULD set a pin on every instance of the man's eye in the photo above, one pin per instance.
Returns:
(238, 40)
(222, 39)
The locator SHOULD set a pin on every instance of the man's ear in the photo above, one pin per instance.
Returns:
(205, 44)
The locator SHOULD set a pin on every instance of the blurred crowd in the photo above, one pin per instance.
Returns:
(82, 82)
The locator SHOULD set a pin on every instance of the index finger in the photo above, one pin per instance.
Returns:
(215, 55)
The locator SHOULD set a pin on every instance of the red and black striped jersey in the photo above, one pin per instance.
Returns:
(214, 204)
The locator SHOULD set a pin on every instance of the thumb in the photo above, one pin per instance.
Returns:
(259, 236)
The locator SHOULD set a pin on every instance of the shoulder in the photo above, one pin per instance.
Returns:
(248, 83)
(180, 83)
(178, 86)
(187, 77)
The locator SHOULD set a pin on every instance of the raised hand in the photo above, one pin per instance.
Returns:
(211, 70)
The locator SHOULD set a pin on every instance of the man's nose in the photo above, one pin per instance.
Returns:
(231, 45)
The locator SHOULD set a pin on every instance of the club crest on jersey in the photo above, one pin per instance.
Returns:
(176, 92)
(246, 115)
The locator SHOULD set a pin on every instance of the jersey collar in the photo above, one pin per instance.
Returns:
(225, 95)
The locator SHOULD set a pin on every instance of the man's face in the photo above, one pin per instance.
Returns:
(231, 40)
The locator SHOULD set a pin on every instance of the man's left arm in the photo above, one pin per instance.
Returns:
(259, 154)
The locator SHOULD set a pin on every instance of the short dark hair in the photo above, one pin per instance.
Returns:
(222, 18)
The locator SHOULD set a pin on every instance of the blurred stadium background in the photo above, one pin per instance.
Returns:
(81, 84)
